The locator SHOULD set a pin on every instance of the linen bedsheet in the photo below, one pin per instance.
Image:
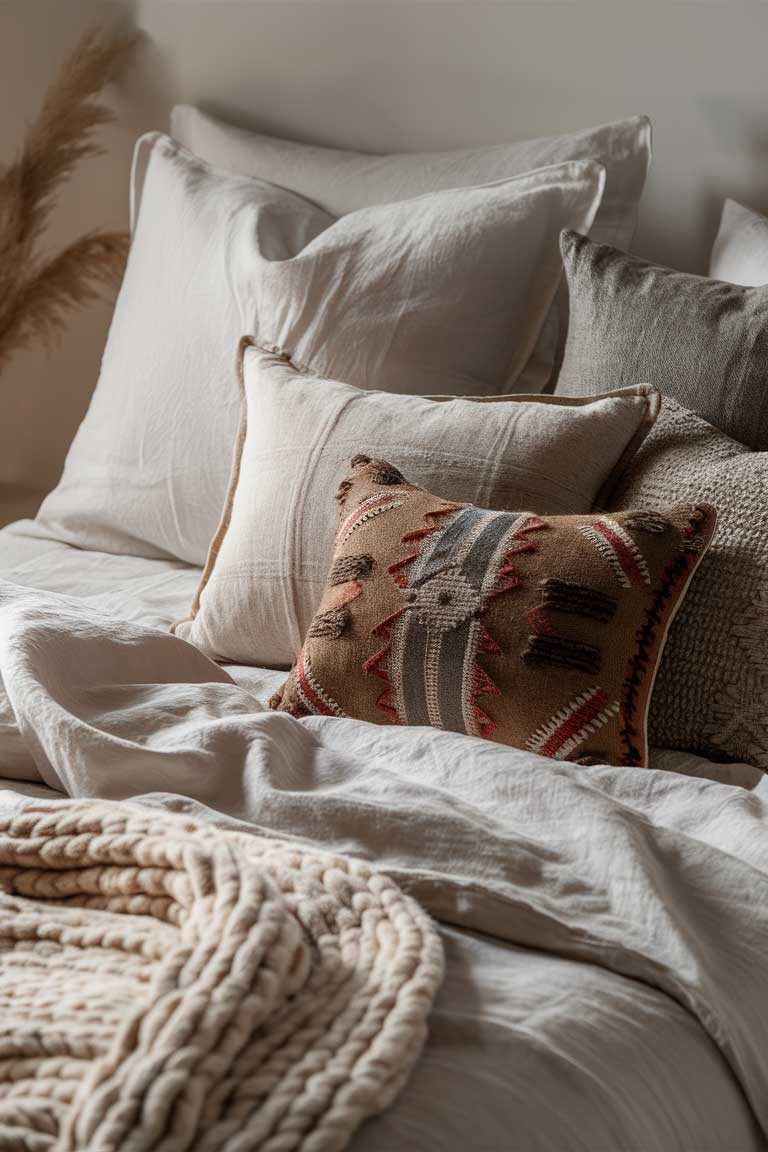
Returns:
(605, 929)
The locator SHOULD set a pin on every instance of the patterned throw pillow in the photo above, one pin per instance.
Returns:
(711, 694)
(539, 632)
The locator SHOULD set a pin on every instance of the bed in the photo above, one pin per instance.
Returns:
(603, 927)
(605, 980)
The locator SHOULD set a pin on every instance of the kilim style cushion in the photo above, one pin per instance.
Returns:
(543, 632)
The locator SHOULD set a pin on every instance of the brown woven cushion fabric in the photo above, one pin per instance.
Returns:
(539, 632)
(712, 690)
(701, 342)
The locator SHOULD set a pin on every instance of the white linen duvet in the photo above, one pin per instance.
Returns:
(606, 930)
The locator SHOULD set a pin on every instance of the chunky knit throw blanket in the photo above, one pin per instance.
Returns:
(166, 985)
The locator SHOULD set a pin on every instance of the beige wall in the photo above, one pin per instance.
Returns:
(44, 395)
(385, 74)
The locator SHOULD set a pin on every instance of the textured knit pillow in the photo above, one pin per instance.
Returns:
(712, 689)
(702, 342)
(269, 560)
(539, 632)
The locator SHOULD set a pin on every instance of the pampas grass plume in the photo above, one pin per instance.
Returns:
(36, 294)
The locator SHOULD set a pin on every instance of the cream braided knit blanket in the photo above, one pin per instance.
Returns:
(165, 985)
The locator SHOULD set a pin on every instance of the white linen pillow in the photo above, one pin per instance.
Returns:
(455, 286)
(740, 251)
(344, 181)
(446, 292)
(148, 469)
(268, 563)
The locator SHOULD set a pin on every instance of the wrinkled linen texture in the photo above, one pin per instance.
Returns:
(604, 928)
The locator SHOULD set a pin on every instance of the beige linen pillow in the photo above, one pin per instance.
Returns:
(269, 560)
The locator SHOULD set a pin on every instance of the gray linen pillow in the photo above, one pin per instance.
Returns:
(703, 342)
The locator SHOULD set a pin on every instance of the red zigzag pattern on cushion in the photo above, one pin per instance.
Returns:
(508, 578)
(315, 699)
(376, 665)
(619, 550)
(396, 569)
(482, 685)
(573, 724)
(370, 507)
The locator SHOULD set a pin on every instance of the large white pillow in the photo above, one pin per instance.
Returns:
(445, 293)
(453, 286)
(740, 251)
(342, 181)
(147, 471)
(269, 560)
